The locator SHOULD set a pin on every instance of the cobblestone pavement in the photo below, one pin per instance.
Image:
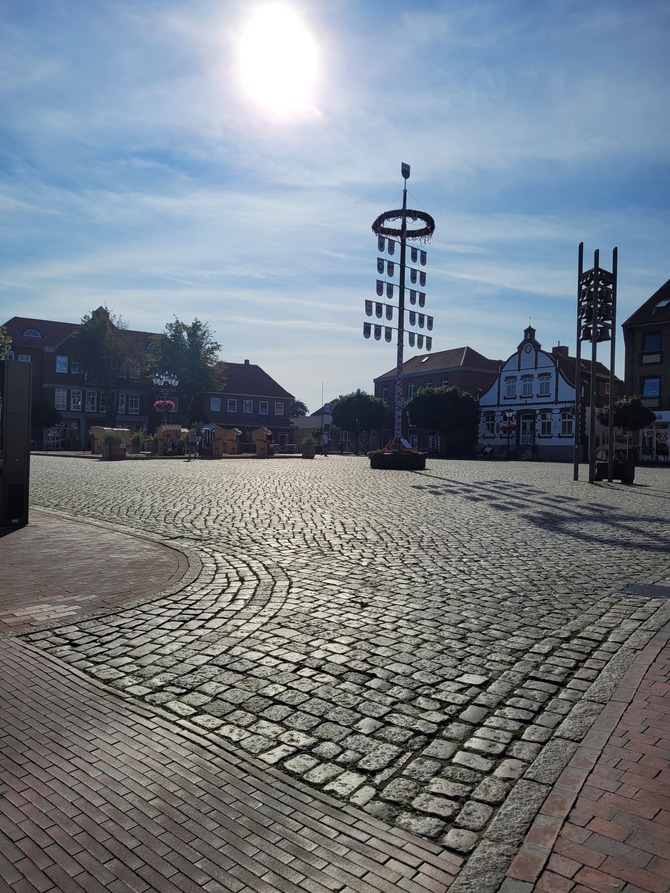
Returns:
(430, 647)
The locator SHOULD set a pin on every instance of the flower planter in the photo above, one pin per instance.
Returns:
(113, 452)
(398, 461)
(621, 471)
(308, 450)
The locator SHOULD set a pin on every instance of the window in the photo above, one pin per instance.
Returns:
(651, 342)
(429, 383)
(75, 400)
(121, 402)
(75, 367)
(544, 386)
(61, 364)
(60, 401)
(445, 382)
(10, 354)
(215, 404)
(248, 407)
(527, 386)
(263, 408)
(24, 358)
(134, 404)
(651, 387)
(510, 387)
(103, 401)
(410, 390)
(490, 423)
(279, 408)
(385, 395)
(32, 333)
(91, 401)
(232, 405)
(545, 423)
(567, 423)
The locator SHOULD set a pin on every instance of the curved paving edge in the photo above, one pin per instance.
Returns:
(98, 793)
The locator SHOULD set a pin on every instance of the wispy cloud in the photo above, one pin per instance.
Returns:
(135, 172)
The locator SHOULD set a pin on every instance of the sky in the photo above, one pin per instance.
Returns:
(165, 159)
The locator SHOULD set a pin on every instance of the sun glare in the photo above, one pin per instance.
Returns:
(278, 60)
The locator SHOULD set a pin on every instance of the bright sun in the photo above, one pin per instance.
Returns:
(278, 60)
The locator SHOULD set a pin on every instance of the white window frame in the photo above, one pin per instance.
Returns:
(263, 407)
(24, 358)
(75, 367)
(121, 402)
(75, 400)
(91, 401)
(248, 407)
(527, 386)
(215, 404)
(231, 405)
(279, 408)
(567, 423)
(510, 388)
(133, 403)
(544, 386)
(545, 423)
(490, 423)
(410, 391)
(60, 399)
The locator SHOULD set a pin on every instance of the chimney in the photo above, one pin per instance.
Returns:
(559, 351)
(246, 362)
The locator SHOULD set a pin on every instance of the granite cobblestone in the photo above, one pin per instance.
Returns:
(411, 643)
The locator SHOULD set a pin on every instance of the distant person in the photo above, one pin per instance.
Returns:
(341, 446)
(324, 444)
(192, 443)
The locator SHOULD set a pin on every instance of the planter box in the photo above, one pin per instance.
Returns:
(308, 450)
(112, 452)
(398, 461)
(621, 471)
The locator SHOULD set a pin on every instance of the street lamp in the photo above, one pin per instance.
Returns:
(508, 426)
(165, 382)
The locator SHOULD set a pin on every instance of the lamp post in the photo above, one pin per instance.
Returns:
(165, 382)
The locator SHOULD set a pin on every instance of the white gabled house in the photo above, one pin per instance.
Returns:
(529, 411)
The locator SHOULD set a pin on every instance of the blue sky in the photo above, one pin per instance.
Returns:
(137, 171)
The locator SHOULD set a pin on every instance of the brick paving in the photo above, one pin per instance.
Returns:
(606, 824)
(429, 649)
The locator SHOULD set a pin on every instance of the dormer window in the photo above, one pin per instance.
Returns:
(32, 333)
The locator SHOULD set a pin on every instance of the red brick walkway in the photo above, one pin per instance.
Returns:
(605, 828)
(54, 569)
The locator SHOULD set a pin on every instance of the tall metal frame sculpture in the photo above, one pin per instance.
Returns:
(596, 321)
(392, 229)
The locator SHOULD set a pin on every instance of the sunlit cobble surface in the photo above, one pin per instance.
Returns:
(414, 643)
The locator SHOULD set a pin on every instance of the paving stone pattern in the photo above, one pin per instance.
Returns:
(426, 646)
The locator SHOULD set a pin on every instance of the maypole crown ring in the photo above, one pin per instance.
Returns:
(380, 228)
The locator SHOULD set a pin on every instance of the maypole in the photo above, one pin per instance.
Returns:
(392, 229)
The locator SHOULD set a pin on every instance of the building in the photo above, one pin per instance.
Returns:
(251, 398)
(646, 336)
(529, 411)
(461, 367)
(60, 382)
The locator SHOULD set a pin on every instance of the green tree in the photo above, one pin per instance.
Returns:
(5, 343)
(358, 412)
(630, 413)
(298, 410)
(107, 354)
(447, 411)
(189, 351)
